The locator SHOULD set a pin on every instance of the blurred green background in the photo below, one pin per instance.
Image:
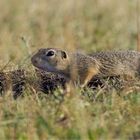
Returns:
(89, 25)
(85, 25)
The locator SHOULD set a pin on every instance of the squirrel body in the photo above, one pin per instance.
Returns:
(114, 63)
(81, 68)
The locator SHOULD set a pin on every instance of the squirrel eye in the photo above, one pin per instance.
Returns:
(50, 53)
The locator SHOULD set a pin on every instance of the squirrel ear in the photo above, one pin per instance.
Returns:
(63, 55)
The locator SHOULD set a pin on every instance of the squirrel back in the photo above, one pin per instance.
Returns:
(118, 62)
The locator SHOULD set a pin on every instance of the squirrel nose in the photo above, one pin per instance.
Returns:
(34, 60)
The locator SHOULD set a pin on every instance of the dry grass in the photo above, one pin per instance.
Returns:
(85, 25)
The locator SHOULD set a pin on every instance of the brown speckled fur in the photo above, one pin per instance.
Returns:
(81, 67)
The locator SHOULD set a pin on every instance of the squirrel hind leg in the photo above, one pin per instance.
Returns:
(86, 79)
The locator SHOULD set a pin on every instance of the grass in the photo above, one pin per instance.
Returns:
(84, 25)
(51, 117)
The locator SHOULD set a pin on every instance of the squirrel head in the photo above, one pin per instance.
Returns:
(51, 60)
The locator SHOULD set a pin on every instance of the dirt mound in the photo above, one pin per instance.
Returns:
(47, 82)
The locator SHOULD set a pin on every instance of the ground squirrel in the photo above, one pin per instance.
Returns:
(78, 67)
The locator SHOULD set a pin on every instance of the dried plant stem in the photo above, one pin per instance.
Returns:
(138, 25)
